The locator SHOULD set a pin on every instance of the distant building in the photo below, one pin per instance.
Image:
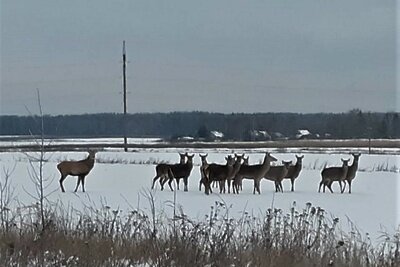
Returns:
(303, 134)
(258, 135)
(216, 135)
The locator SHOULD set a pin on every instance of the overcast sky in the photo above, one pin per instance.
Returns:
(221, 56)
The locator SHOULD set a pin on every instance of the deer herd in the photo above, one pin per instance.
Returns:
(230, 174)
(237, 168)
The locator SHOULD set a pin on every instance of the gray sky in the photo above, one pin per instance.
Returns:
(221, 56)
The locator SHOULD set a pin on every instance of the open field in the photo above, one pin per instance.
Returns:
(118, 191)
(120, 179)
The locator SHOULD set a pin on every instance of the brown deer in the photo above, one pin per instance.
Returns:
(329, 175)
(180, 171)
(219, 173)
(351, 172)
(231, 176)
(295, 170)
(164, 172)
(253, 172)
(79, 168)
(277, 174)
(240, 185)
(203, 167)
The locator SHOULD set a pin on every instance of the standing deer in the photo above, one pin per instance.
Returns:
(219, 173)
(277, 174)
(240, 184)
(180, 171)
(253, 172)
(231, 176)
(329, 175)
(295, 170)
(164, 172)
(203, 167)
(79, 168)
(351, 172)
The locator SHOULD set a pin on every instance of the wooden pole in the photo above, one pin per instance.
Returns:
(124, 86)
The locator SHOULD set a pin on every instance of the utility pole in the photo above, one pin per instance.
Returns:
(124, 87)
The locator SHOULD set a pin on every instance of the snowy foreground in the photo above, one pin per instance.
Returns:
(124, 179)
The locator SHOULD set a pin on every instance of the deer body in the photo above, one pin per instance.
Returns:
(329, 175)
(219, 173)
(79, 168)
(253, 172)
(164, 172)
(352, 170)
(277, 174)
(180, 171)
(203, 167)
(231, 176)
(294, 171)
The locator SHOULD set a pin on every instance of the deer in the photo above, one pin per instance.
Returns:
(203, 167)
(351, 172)
(295, 170)
(253, 172)
(164, 172)
(277, 174)
(79, 168)
(180, 171)
(329, 175)
(219, 173)
(229, 178)
(239, 186)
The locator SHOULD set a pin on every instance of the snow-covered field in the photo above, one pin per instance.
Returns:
(124, 182)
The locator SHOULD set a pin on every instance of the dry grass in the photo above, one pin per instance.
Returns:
(106, 237)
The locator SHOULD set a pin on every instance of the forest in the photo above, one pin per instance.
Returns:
(234, 126)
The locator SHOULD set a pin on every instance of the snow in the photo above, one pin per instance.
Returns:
(124, 182)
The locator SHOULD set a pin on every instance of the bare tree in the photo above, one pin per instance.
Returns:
(6, 196)
(41, 182)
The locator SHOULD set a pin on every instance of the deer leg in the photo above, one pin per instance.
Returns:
(83, 183)
(185, 181)
(256, 186)
(162, 177)
(344, 186)
(330, 186)
(349, 186)
(61, 182)
(276, 186)
(163, 180)
(292, 180)
(171, 179)
(154, 181)
(222, 186)
(77, 183)
(320, 185)
(206, 189)
(280, 186)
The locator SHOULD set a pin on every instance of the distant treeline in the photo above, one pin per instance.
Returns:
(235, 126)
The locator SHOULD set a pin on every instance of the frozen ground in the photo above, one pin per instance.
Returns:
(124, 181)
